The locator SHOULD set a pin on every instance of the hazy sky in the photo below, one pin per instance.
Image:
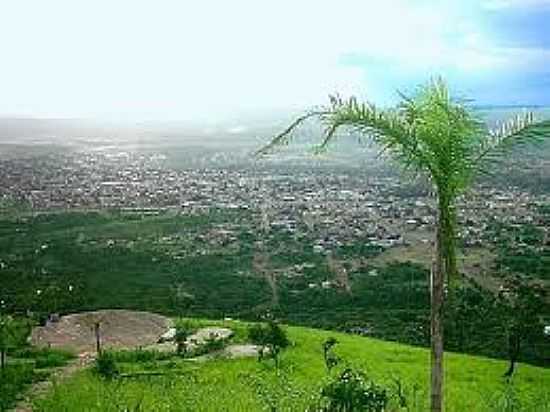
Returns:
(196, 59)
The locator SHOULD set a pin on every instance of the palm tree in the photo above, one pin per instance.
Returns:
(440, 138)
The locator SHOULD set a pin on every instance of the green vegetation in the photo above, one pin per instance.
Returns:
(13, 333)
(26, 366)
(271, 338)
(14, 379)
(439, 137)
(20, 364)
(352, 391)
(44, 357)
(505, 325)
(521, 250)
(105, 364)
(77, 261)
(245, 384)
(140, 271)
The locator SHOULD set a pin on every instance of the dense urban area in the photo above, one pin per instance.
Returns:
(339, 205)
(325, 244)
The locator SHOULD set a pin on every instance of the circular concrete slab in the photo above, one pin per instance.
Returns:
(117, 328)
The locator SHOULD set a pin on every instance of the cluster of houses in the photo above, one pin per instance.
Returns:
(336, 207)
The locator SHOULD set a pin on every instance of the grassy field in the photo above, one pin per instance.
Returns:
(472, 383)
(25, 367)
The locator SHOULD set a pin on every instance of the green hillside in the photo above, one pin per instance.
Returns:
(217, 264)
(473, 383)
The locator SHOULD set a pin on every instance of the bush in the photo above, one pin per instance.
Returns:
(13, 379)
(351, 391)
(13, 333)
(105, 365)
(330, 358)
(180, 338)
(210, 345)
(270, 337)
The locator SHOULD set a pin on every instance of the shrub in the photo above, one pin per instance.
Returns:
(210, 345)
(181, 340)
(330, 358)
(507, 399)
(13, 333)
(13, 379)
(213, 344)
(105, 365)
(351, 391)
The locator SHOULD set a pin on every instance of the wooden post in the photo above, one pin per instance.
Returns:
(97, 326)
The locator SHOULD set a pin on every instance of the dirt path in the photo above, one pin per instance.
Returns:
(340, 273)
(260, 263)
(40, 389)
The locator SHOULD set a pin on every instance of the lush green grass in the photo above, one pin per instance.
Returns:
(44, 357)
(472, 383)
(13, 379)
(24, 367)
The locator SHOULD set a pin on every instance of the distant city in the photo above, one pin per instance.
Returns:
(340, 205)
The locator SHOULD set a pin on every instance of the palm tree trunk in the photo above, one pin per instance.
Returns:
(514, 342)
(444, 262)
(437, 297)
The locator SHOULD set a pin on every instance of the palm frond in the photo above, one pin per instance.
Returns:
(519, 131)
(285, 136)
(427, 133)
(389, 129)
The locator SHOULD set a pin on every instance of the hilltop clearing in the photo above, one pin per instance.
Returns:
(117, 328)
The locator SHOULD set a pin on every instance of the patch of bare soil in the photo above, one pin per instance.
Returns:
(117, 329)
(242, 351)
(231, 352)
(260, 264)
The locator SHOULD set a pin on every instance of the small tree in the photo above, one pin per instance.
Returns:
(95, 321)
(519, 304)
(331, 359)
(271, 338)
(470, 318)
(105, 365)
(182, 333)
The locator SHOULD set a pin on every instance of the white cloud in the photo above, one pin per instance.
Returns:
(184, 59)
(512, 4)
(527, 60)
